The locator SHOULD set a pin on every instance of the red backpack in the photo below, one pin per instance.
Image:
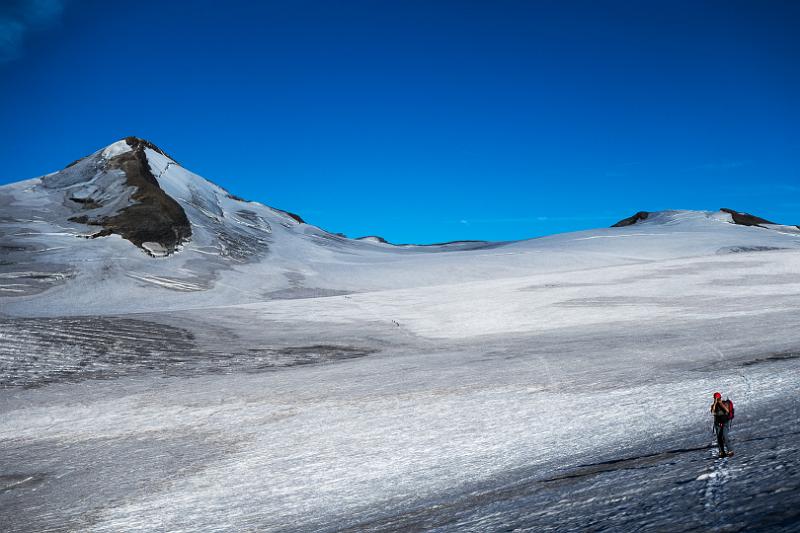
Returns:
(729, 403)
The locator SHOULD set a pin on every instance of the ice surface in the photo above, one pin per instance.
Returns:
(499, 385)
(272, 376)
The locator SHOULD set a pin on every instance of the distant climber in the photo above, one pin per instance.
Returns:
(723, 414)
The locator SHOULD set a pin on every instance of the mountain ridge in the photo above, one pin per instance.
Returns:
(157, 224)
(135, 252)
(737, 217)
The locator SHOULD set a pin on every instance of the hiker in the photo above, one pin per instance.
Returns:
(723, 414)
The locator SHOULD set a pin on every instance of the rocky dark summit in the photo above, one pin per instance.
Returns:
(631, 220)
(739, 218)
(152, 220)
(746, 219)
(156, 216)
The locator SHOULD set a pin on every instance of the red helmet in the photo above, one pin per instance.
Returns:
(717, 395)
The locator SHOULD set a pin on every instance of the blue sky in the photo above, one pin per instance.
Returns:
(423, 121)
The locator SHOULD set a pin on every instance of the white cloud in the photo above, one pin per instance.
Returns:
(19, 17)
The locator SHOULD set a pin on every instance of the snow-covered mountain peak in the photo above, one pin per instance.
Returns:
(695, 218)
(115, 189)
(137, 143)
(134, 189)
(128, 222)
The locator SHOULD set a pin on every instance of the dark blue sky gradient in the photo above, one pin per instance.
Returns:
(426, 121)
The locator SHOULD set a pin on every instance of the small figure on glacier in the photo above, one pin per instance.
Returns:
(723, 414)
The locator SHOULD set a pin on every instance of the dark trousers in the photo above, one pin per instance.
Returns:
(721, 431)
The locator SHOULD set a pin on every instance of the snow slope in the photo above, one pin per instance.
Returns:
(241, 252)
(456, 392)
(267, 375)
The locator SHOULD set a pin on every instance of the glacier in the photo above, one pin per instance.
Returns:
(264, 374)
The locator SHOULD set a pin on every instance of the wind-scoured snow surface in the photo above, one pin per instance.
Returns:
(268, 375)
